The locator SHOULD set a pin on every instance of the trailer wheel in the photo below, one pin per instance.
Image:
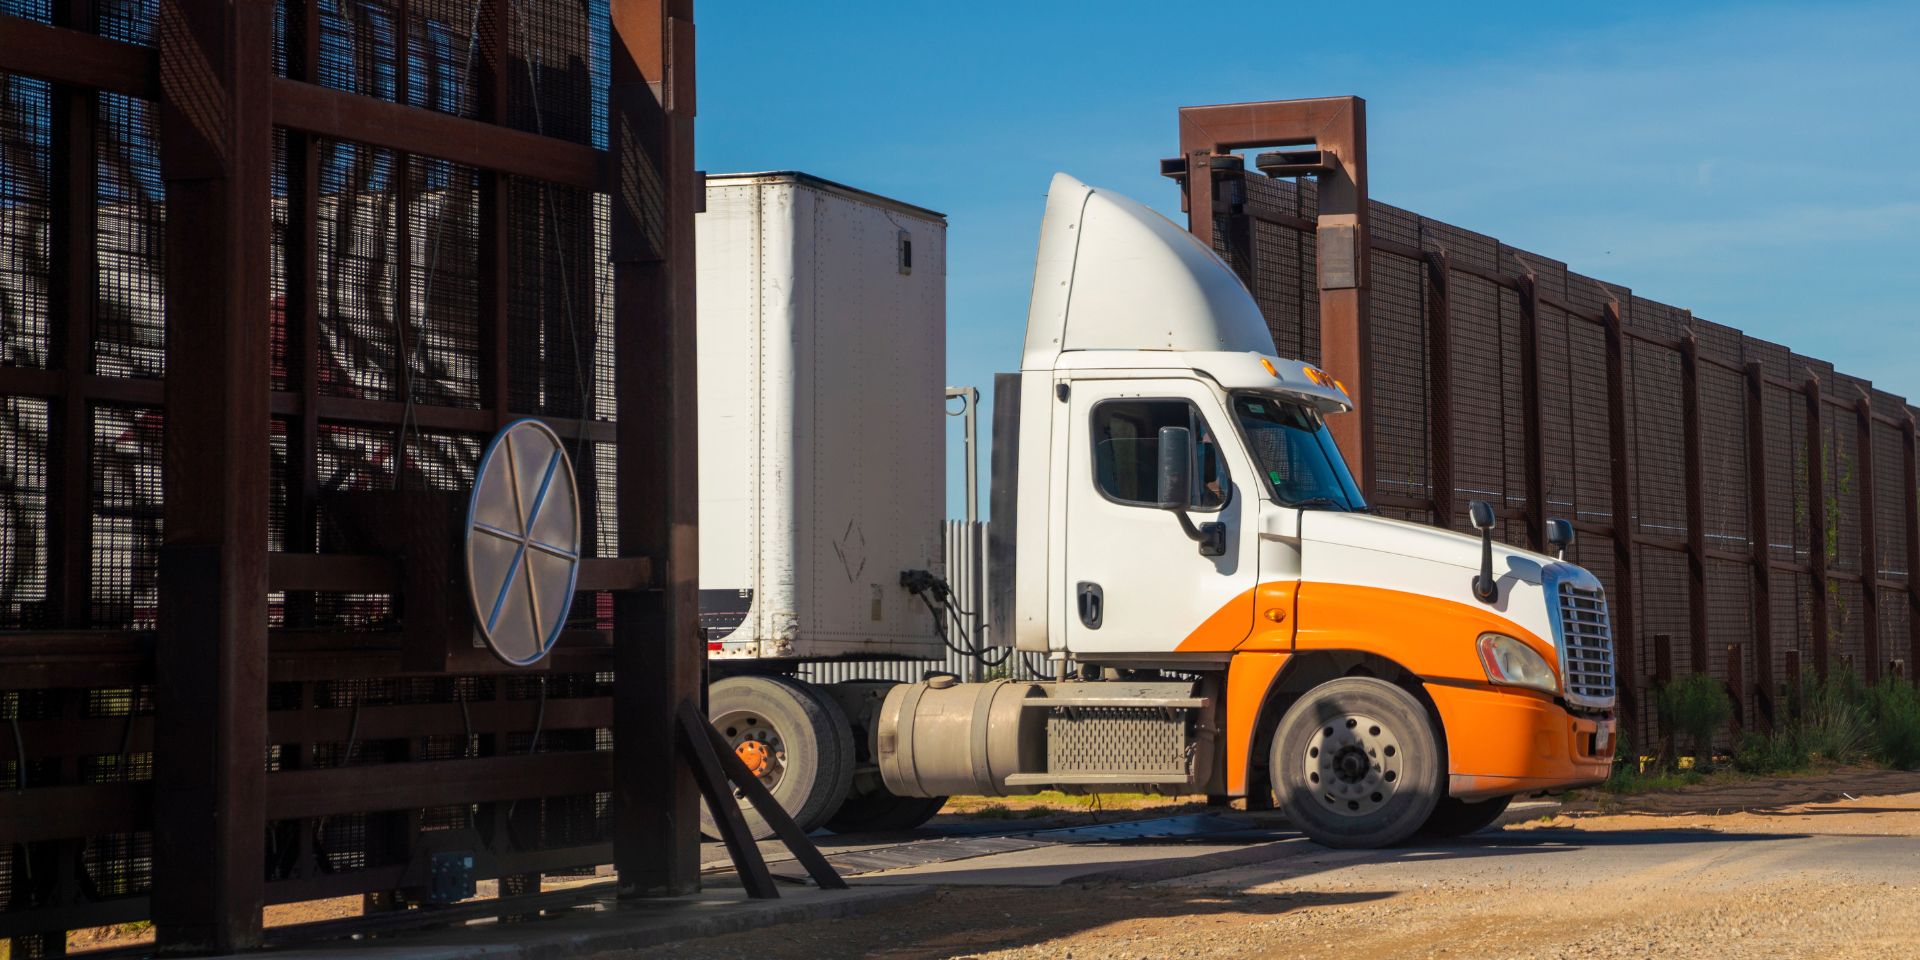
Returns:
(1355, 763)
(793, 737)
(884, 812)
(1458, 818)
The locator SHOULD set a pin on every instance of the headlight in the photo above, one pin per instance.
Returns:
(1514, 664)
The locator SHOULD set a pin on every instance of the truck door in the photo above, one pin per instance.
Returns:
(1136, 582)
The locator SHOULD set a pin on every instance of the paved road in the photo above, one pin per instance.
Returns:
(1814, 880)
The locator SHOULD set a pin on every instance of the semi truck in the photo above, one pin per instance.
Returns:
(1172, 528)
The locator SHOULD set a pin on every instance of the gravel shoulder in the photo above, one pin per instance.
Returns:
(1760, 869)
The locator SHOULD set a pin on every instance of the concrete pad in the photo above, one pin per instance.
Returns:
(607, 926)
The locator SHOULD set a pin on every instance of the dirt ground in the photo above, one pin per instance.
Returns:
(1630, 898)
(1775, 868)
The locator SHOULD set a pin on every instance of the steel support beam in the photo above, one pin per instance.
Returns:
(660, 661)
(1910, 503)
(1533, 426)
(74, 289)
(1338, 127)
(1694, 478)
(300, 309)
(209, 755)
(1869, 540)
(347, 116)
(1440, 385)
(1626, 640)
(67, 54)
(1759, 544)
(1815, 455)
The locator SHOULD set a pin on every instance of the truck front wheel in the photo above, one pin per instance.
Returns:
(791, 736)
(1356, 763)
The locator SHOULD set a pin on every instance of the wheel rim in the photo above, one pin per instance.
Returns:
(757, 743)
(1354, 764)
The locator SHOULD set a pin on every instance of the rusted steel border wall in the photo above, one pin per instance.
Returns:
(1748, 508)
(267, 257)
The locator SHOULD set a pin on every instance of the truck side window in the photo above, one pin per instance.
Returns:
(1126, 452)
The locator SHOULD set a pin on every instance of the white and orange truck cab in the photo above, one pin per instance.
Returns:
(1173, 524)
(1173, 527)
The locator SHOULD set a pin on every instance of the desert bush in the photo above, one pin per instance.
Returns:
(1779, 752)
(1693, 709)
(1832, 722)
(1893, 708)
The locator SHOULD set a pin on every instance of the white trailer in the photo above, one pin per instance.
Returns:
(822, 366)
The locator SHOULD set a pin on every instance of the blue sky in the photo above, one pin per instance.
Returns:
(1759, 164)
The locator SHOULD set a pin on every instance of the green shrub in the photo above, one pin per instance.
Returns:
(1782, 752)
(1832, 723)
(1894, 710)
(1693, 709)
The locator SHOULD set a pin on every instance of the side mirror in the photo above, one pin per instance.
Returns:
(1560, 535)
(1485, 588)
(1480, 514)
(1175, 490)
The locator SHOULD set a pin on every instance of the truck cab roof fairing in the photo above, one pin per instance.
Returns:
(1114, 275)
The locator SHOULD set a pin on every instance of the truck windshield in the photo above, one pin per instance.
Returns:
(1297, 456)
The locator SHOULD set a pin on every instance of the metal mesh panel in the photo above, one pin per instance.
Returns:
(278, 344)
(1399, 344)
(603, 378)
(444, 55)
(23, 513)
(352, 459)
(1658, 441)
(442, 461)
(443, 354)
(358, 268)
(1282, 267)
(41, 10)
(550, 62)
(126, 516)
(25, 221)
(359, 47)
(118, 864)
(131, 21)
(1478, 415)
(129, 327)
(1889, 498)
(1843, 487)
(551, 301)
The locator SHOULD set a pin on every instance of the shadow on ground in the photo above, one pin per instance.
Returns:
(996, 918)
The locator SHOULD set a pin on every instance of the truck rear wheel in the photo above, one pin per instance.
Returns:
(1355, 763)
(1457, 818)
(793, 737)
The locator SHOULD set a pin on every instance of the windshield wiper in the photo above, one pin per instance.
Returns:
(1311, 503)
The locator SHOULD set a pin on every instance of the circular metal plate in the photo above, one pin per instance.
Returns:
(523, 542)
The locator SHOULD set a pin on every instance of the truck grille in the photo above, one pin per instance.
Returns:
(1586, 645)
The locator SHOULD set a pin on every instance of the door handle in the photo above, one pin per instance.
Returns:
(1092, 604)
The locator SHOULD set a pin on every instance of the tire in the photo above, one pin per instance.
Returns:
(1356, 764)
(1458, 818)
(884, 812)
(798, 739)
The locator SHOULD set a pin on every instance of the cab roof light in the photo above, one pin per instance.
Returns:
(1324, 378)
